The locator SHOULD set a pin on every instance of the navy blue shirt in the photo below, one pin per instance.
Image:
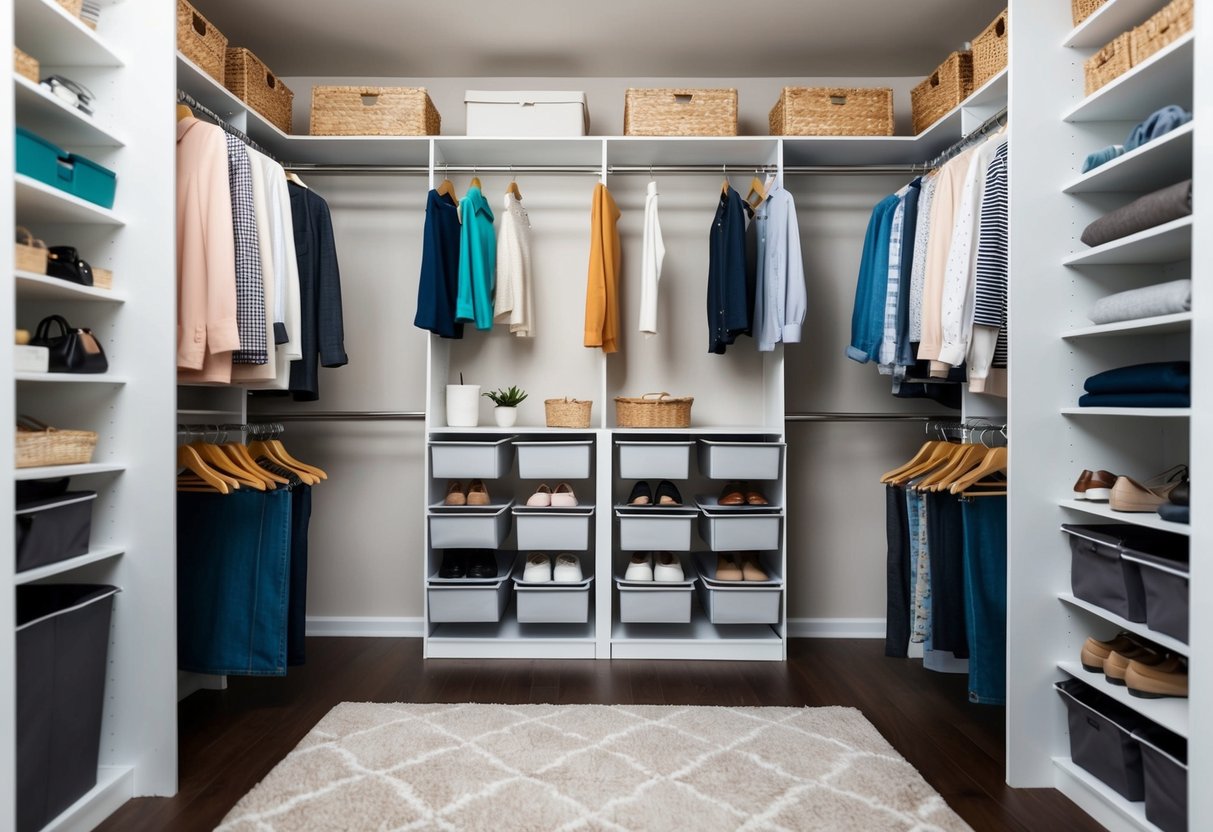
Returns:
(436, 291)
(323, 332)
(730, 282)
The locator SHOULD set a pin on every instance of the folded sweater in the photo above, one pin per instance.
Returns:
(1160, 299)
(1161, 206)
(1135, 400)
(1155, 377)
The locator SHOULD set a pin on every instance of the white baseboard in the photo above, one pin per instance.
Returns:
(365, 627)
(836, 627)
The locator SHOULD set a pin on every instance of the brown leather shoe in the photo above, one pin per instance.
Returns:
(454, 494)
(478, 495)
(732, 495)
(1117, 662)
(1167, 678)
(1099, 486)
(1095, 652)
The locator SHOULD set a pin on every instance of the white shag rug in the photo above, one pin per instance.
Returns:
(591, 767)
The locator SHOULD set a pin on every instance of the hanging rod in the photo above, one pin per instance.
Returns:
(831, 416)
(304, 167)
(740, 170)
(345, 416)
(850, 170)
(193, 103)
(994, 121)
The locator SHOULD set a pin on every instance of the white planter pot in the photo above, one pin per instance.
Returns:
(506, 417)
(462, 405)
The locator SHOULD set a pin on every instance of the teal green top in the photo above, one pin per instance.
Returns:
(477, 261)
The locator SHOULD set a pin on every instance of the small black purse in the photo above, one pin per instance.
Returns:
(73, 350)
(64, 263)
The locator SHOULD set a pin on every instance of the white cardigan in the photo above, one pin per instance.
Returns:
(652, 254)
(512, 304)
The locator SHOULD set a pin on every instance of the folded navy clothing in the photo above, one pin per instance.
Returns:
(1155, 377)
(1176, 514)
(1136, 400)
(1158, 123)
(1161, 206)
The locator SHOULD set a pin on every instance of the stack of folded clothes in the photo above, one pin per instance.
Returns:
(1159, 123)
(1153, 209)
(1168, 298)
(1159, 384)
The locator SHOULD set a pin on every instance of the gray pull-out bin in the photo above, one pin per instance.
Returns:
(553, 529)
(654, 460)
(554, 460)
(741, 531)
(1101, 737)
(1164, 758)
(460, 457)
(1101, 575)
(469, 527)
(471, 600)
(655, 529)
(553, 603)
(53, 529)
(739, 602)
(740, 460)
(657, 602)
(1166, 584)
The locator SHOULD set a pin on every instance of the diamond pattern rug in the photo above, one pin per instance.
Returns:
(591, 767)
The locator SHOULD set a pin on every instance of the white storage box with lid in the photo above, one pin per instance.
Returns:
(644, 529)
(552, 603)
(739, 460)
(461, 457)
(553, 529)
(641, 460)
(555, 460)
(739, 602)
(469, 528)
(526, 113)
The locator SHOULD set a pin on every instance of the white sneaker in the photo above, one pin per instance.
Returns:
(538, 568)
(640, 568)
(668, 568)
(567, 569)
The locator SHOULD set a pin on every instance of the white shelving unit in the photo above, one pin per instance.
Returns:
(1055, 279)
(123, 61)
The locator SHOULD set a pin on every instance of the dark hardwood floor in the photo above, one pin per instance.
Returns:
(230, 740)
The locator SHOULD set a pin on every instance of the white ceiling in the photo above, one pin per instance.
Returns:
(580, 38)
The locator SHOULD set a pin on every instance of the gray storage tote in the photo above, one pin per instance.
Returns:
(740, 531)
(553, 529)
(458, 457)
(664, 460)
(1101, 738)
(1166, 585)
(553, 603)
(656, 529)
(469, 528)
(554, 460)
(1164, 758)
(740, 460)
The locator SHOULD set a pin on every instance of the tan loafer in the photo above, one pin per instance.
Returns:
(454, 494)
(1117, 662)
(750, 570)
(1167, 678)
(727, 569)
(478, 495)
(1095, 653)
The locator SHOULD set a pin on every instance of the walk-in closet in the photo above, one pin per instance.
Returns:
(650, 416)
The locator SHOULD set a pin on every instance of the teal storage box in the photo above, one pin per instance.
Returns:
(37, 158)
(51, 165)
(91, 181)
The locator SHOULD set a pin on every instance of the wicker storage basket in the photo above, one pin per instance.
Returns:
(567, 413)
(1170, 23)
(833, 111)
(73, 7)
(26, 65)
(1080, 10)
(201, 42)
(39, 444)
(374, 111)
(251, 81)
(990, 51)
(942, 90)
(102, 278)
(653, 410)
(685, 112)
(1108, 63)
(31, 253)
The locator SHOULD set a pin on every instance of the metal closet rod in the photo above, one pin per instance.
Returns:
(612, 170)
(188, 100)
(416, 415)
(994, 121)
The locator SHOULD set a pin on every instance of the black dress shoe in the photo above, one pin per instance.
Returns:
(641, 495)
(667, 494)
(1180, 494)
(482, 563)
(454, 565)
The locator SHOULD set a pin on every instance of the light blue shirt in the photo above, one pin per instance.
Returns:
(477, 261)
(780, 298)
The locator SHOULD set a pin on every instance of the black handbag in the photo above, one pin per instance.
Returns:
(64, 263)
(73, 350)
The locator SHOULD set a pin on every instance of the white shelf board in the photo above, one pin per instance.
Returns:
(1157, 325)
(36, 202)
(1164, 77)
(477, 150)
(741, 151)
(231, 412)
(58, 121)
(1098, 799)
(98, 553)
(115, 786)
(45, 30)
(1154, 165)
(47, 472)
(1143, 412)
(31, 286)
(1161, 639)
(1109, 20)
(700, 639)
(1166, 243)
(894, 150)
(70, 378)
(507, 639)
(1147, 520)
(1170, 713)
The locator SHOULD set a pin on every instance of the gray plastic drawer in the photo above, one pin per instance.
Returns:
(644, 529)
(740, 460)
(552, 603)
(466, 602)
(469, 528)
(486, 459)
(561, 460)
(740, 531)
(739, 602)
(654, 460)
(552, 529)
(655, 604)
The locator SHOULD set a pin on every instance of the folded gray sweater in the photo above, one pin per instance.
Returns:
(1153, 209)
(1146, 302)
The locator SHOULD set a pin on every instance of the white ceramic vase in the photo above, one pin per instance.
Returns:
(462, 405)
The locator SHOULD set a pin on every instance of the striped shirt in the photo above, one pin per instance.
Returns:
(991, 289)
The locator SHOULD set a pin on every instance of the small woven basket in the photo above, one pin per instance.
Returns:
(31, 255)
(653, 410)
(1108, 64)
(102, 278)
(373, 111)
(39, 444)
(680, 112)
(990, 51)
(833, 111)
(567, 413)
(251, 81)
(26, 65)
(73, 7)
(1080, 10)
(201, 42)
(1170, 23)
(941, 91)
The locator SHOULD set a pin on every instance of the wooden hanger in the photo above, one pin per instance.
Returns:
(284, 454)
(291, 176)
(940, 454)
(188, 458)
(240, 455)
(184, 112)
(275, 452)
(925, 451)
(222, 464)
(512, 188)
(724, 186)
(960, 461)
(758, 189)
(447, 188)
(995, 461)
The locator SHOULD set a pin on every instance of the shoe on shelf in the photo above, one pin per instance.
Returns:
(1166, 678)
(542, 496)
(538, 568)
(750, 570)
(667, 568)
(1117, 662)
(454, 565)
(731, 495)
(563, 496)
(640, 567)
(1094, 485)
(1130, 495)
(1180, 494)
(667, 494)
(753, 497)
(478, 495)
(454, 494)
(567, 569)
(727, 568)
(1095, 652)
(641, 495)
(482, 564)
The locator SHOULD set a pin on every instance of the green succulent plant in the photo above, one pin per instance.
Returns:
(506, 398)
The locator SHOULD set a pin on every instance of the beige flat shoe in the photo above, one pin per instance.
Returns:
(478, 495)
(1094, 652)
(1130, 495)
(727, 569)
(1167, 678)
(750, 570)
(454, 494)
(1117, 663)
(563, 496)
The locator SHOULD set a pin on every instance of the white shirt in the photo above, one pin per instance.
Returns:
(512, 303)
(652, 254)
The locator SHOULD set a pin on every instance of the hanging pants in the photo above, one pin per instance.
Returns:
(945, 535)
(985, 577)
(296, 626)
(897, 578)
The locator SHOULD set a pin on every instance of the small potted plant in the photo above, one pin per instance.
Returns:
(507, 401)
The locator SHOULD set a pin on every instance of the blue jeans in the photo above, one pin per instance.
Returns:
(985, 575)
(296, 629)
(233, 571)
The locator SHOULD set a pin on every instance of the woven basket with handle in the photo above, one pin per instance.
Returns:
(373, 111)
(201, 42)
(31, 253)
(39, 444)
(567, 413)
(1109, 63)
(680, 112)
(653, 410)
(990, 51)
(251, 81)
(27, 66)
(1170, 23)
(942, 90)
(833, 111)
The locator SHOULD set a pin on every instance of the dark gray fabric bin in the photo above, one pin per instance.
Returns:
(1166, 585)
(1101, 737)
(1099, 575)
(62, 639)
(53, 529)
(1165, 762)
